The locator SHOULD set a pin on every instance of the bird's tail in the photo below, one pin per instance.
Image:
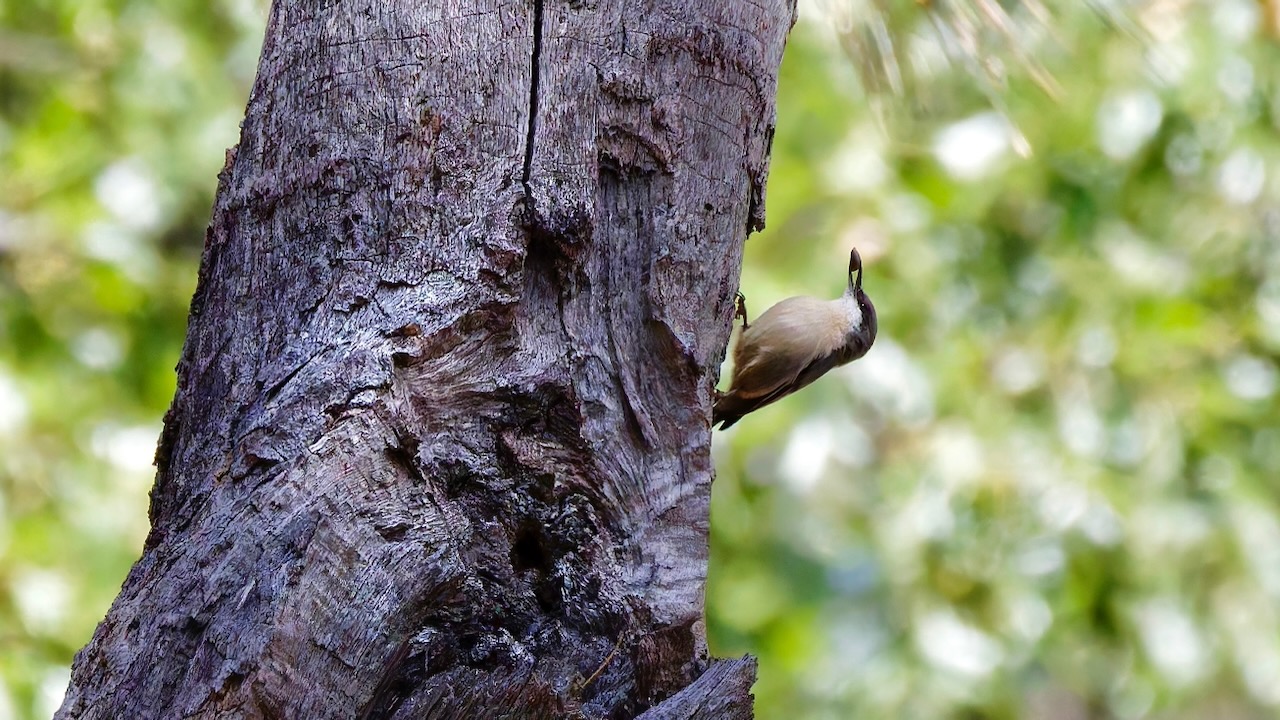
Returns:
(729, 409)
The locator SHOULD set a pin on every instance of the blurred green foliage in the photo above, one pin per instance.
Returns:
(1050, 490)
(114, 116)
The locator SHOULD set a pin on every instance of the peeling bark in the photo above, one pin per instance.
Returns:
(440, 446)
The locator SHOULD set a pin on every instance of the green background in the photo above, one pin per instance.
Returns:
(1051, 490)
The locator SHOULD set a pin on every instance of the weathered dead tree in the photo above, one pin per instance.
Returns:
(440, 447)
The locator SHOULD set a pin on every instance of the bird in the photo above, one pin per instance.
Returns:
(794, 343)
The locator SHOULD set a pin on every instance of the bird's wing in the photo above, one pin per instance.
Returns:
(816, 369)
(766, 368)
(766, 372)
(762, 369)
(733, 405)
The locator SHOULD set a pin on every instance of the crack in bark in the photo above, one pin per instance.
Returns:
(534, 74)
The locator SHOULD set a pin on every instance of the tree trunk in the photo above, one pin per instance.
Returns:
(440, 446)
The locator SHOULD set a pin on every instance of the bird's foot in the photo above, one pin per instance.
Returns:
(740, 309)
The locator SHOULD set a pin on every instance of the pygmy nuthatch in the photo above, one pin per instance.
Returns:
(794, 343)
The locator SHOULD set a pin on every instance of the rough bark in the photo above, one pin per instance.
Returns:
(440, 446)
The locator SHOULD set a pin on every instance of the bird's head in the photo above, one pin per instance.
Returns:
(866, 329)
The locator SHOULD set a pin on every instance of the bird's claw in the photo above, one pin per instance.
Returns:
(740, 309)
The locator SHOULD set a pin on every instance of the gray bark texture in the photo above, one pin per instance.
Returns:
(440, 446)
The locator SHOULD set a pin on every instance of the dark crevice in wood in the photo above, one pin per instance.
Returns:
(529, 551)
(759, 177)
(390, 690)
(534, 73)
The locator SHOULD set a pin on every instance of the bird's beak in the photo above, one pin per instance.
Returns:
(855, 266)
